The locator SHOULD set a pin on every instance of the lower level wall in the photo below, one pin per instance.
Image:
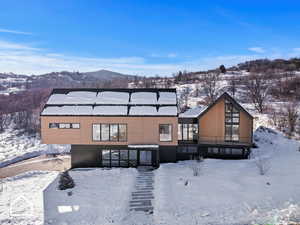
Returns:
(85, 156)
(90, 155)
(167, 154)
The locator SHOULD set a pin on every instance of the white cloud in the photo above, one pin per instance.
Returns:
(169, 55)
(256, 49)
(15, 46)
(172, 55)
(296, 49)
(25, 59)
(14, 31)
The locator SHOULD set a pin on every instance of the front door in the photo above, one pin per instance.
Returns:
(145, 158)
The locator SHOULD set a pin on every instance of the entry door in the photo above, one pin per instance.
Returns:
(145, 158)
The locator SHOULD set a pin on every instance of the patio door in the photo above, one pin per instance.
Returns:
(145, 158)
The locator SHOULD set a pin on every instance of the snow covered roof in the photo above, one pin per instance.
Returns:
(143, 101)
(193, 112)
(167, 98)
(110, 110)
(112, 97)
(145, 98)
(143, 110)
(68, 110)
(167, 110)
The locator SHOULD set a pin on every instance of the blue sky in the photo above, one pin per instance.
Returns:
(144, 37)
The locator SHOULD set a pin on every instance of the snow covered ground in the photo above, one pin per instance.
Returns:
(21, 198)
(15, 147)
(100, 196)
(225, 192)
(233, 191)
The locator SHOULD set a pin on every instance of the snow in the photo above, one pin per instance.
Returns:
(73, 97)
(112, 97)
(68, 110)
(100, 196)
(232, 191)
(193, 112)
(167, 98)
(15, 147)
(167, 110)
(145, 98)
(143, 146)
(21, 199)
(110, 110)
(143, 110)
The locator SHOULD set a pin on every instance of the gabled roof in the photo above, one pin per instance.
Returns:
(199, 111)
(112, 102)
(228, 97)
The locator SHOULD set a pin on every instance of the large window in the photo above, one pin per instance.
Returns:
(109, 132)
(188, 131)
(119, 158)
(64, 125)
(165, 132)
(232, 122)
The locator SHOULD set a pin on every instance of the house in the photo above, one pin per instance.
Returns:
(132, 127)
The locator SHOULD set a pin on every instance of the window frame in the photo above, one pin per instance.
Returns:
(188, 127)
(171, 133)
(109, 132)
(59, 124)
(231, 112)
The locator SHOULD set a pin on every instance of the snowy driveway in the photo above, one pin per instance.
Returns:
(44, 162)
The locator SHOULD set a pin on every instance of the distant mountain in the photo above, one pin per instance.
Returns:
(102, 78)
(106, 75)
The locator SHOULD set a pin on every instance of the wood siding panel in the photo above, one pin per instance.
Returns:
(140, 130)
(211, 124)
(245, 127)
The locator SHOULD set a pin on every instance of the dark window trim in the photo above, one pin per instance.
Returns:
(169, 124)
(109, 133)
(231, 124)
(58, 124)
(188, 131)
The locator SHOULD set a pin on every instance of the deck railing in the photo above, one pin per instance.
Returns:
(222, 140)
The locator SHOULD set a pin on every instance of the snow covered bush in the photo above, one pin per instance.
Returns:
(65, 181)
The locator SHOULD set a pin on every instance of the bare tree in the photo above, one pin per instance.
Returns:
(210, 86)
(232, 86)
(184, 98)
(258, 91)
(291, 113)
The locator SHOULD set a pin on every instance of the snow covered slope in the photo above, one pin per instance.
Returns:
(233, 191)
(15, 147)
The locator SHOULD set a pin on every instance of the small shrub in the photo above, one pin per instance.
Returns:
(65, 181)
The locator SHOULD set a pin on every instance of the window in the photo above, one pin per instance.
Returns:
(122, 132)
(232, 122)
(188, 132)
(75, 125)
(109, 132)
(96, 132)
(64, 125)
(53, 125)
(179, 131)
(113, 132)
(119, 157)
(104, 132)
(165, 132)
